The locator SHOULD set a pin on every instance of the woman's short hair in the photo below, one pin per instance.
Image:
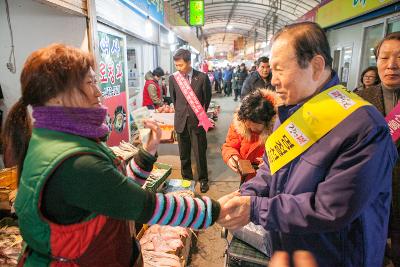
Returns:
(257, 107)
(159, 72)
(374, 69)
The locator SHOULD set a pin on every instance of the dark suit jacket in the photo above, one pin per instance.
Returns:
(183, 112)
(374, 95)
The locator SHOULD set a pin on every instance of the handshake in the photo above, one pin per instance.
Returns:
(235, 211)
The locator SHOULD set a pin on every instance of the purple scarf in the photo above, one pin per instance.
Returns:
(87, 122)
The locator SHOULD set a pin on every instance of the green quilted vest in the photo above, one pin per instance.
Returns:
(47, 150)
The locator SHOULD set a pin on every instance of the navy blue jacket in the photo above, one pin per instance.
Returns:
(227, 76)
(334, 199)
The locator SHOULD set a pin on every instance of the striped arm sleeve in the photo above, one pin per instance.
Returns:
(140, 166)
(195, 213)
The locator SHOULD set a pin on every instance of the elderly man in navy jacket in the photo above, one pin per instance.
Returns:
(333, 199)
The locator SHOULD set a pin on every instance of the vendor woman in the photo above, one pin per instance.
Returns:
(249, 129)
(75, 199)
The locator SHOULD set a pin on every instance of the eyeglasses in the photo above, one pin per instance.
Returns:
(370, 77)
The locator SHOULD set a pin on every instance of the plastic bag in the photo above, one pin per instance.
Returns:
(256, 236)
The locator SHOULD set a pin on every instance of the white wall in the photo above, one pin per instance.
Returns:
(351, 35)
(128, 20)
(34, 26)
(354, 35)
(145, 58)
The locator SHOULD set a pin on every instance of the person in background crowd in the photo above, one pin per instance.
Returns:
(369, 78)
(75, 196)
(385, 97)
(204, 66)
(235, 86)
(190, 134)
(221, 84)
(250, 127)
(164, 91)
(330, 195)
(253, 69)
(260, 79)
(241, 77)
(227, 77)
(152, 94)
(217, 81)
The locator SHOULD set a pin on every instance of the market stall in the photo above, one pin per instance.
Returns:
(10, 237)
(161, 245)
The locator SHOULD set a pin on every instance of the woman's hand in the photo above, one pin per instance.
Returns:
(233, 163)
(154, 137)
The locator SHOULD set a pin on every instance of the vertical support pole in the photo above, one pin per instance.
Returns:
(92, 27)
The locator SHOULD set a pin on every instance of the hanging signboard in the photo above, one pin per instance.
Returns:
(333, 12)
(196, 13)
(153, 8)
(112, 84)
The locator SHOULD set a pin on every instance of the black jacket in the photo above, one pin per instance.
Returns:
(254, 81)
(201, 85)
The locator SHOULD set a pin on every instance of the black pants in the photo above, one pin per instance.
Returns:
(217, 86)
(237, 93)
(228, 88)
(196, 139)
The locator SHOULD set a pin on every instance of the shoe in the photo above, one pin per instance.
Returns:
(204, 186)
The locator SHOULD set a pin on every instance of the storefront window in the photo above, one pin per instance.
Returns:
(393, 26)
(372, 35)
(133, 72)
(345, 69)
(336, 59)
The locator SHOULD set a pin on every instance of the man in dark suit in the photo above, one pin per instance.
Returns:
(190, 135)
(385, 97)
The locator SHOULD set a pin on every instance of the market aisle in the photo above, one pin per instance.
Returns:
(210, 246)
(217, 169)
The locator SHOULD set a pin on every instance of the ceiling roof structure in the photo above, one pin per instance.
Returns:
(226, 20)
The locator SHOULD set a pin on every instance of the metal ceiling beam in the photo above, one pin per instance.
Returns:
(261, 35)
(276, 5)
(221, 30)
(246, 15)
(249, 23)
(256, 12)
(287, 3)
(234, 5)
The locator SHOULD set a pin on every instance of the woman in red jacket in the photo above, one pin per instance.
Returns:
(152, 95)
(250, 127)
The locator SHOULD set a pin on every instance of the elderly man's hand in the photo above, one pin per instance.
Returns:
(223, 200)
(235, 213)
(301, 258)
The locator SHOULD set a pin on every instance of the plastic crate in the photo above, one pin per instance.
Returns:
(153, 185)
(241, 254)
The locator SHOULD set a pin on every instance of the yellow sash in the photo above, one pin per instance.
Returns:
(308, 124)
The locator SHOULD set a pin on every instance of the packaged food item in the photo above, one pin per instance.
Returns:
(139, 115)
(144, 135)
(245, 167)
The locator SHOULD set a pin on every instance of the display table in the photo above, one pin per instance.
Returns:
(163, 118)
